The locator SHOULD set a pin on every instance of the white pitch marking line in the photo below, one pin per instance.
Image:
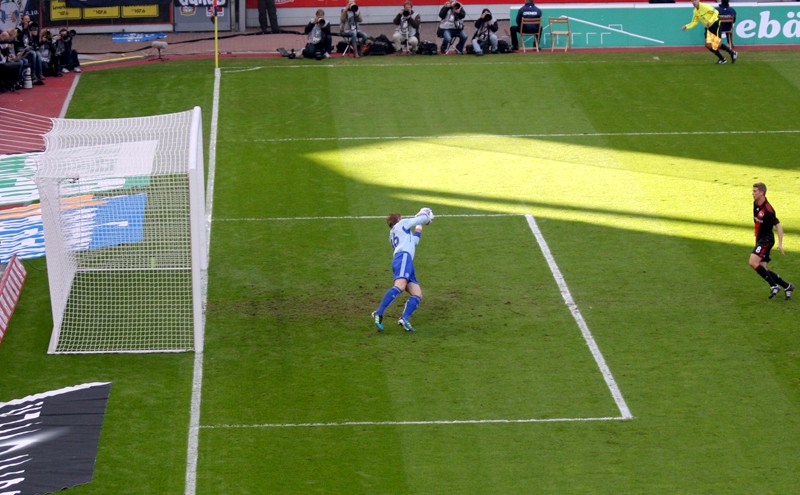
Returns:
(413, 423)
(197, 377)
(531, 135)
(617, 395)
(363, 217)
(576, 314)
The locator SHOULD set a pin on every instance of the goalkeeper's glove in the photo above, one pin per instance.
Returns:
(428, 213)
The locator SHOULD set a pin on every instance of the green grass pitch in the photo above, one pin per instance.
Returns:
(637, 168)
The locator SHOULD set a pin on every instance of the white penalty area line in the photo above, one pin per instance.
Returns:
(576, 314)
(529, 135)
(413, 423)
(625, 413)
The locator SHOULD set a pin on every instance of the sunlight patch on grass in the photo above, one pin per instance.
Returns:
(666, 195)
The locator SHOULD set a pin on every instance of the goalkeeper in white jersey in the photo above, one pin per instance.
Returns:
(404, 236)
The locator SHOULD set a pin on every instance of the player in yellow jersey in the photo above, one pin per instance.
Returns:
(709, 17)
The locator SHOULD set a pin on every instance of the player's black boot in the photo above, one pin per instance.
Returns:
(788, 292)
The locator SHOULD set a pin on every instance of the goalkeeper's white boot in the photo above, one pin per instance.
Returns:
(378, 320)
(405, 324)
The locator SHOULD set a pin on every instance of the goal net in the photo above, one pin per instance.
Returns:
(125, 238)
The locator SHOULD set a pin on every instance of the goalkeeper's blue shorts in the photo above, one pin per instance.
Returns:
(403, 267)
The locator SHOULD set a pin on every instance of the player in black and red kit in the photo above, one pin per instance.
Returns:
(765, 219)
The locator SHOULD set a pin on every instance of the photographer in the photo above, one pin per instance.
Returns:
(485, 37)
(350, 19)
(67, 57)
(451, 25)
(10, 68)
(319, 43)
(47, 50)
(407, 22)
(26, 45)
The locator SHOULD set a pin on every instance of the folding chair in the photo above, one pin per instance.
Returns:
(349, 47)
(452, 46)
(534, 29)
(726, 28)
(559, 26)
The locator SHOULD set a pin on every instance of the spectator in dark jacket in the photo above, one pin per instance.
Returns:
(726, 9)
(527, 11)
(10, 68)
(68, 58)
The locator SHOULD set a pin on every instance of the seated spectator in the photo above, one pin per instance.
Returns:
(47, 50)
(452, 24)
(726, 9)
(26, 50)
(527, 11)
(67, 57)
(349, 26)
(485, 37)
(407, 22)
(10, 68)
(320, 43)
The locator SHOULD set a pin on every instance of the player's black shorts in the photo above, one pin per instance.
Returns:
(763, 247)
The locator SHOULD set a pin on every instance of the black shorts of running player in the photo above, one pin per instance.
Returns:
(762, 249)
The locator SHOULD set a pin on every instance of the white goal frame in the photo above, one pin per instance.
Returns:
(123, 208)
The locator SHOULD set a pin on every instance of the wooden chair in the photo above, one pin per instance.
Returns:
(559, 26)
(530, 28)
(726, 28)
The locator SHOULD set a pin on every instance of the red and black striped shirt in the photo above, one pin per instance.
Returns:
(765, 219)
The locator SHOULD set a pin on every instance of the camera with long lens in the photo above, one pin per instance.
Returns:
(487, 17)
(456, 5)
(322, 22)
(406, 12)
(67, 36)
(354, 8)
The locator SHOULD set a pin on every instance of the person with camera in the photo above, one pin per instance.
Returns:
(349, 27)
(47, 50)
(451, 25)
(407, 22)
(320, 42)
(27, 45)
(485, 37)
(67, 57)
(528, 11)
(10, 68)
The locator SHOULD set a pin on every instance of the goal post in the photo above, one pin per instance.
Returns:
(124, 218)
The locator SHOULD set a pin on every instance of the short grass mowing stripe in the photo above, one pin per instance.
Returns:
(469, 137)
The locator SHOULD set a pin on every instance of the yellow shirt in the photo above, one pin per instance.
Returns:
(704, 13)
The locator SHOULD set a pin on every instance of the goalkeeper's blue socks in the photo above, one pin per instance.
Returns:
(388, 299)
(411, 306)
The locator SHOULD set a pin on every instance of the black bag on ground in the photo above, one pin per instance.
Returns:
(502, 46)
(428, 48)
(381, 45)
